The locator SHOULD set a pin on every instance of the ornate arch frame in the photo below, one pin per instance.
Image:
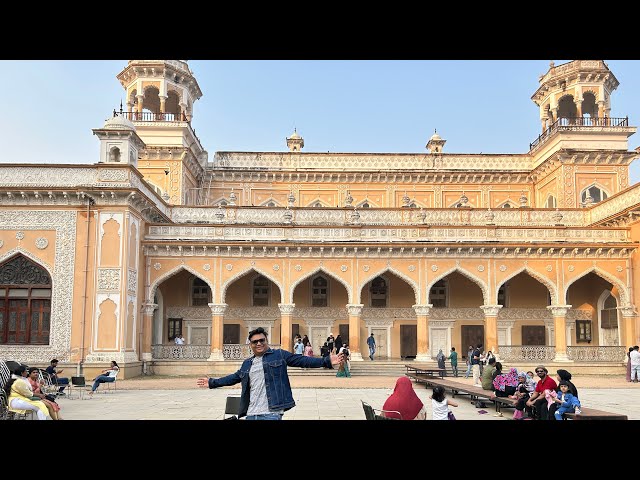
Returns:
(239, 275)
(553, 289)
(483, 286)
(624, 298)
(174, 271)
(390, 269)
(314, 272)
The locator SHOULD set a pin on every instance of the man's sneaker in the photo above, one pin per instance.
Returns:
(61, 394)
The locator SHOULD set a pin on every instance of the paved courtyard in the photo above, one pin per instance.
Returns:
(180, 400)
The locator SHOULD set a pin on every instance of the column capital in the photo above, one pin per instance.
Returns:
(148, 308)
(218, 308)
(354, 309)
(422, 309)
(628, 311)
(491, 310)
(287, 308)
(559, 310)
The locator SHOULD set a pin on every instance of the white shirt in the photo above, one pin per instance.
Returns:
(440, 409)
(634, 356)
(179, 340)
(258, 401)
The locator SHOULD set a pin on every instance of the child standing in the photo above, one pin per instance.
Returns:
(440, 404)
(568, 403)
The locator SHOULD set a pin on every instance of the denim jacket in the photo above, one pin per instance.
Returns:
(276, 378)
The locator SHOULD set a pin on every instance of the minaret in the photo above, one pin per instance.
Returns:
(577, 92)
(119, 142)
(295, 142)
(435, 143)
(159, 102)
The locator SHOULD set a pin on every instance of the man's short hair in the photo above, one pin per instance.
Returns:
(55, 360)
(492, 360)
(453, 349)
(479, 345)
(257, 331)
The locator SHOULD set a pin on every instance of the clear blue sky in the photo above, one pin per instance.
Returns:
(50, 107)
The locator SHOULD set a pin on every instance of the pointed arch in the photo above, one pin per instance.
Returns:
(368, 202)
(270, 200)
(469, 275)
(20, 251)
(390, 269)
(174, 271)
(314, 203)
(239, 275)
(624, 291)
(328, 274)
(553, 289)
(508, 203)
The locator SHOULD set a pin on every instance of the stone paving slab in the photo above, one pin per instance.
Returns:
(311, 404)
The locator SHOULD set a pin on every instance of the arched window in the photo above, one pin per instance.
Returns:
(609, 313)
(597, 194)
(271, 204)
(365, 205)
(413, 205)
(438, 294)
(378, 292)
(200, 292)
(114, 154)
(507, 205)
(25, 302)
(261, 292)
(319, 292)
(551, 202)
(317, 205)
(502, 295)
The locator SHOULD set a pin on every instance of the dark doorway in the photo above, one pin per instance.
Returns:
(408, 341)
(295, 330)
(470, 335)
(343, 330)
(533, 335)
(231, 334)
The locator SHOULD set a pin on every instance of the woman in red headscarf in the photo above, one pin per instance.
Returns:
(404, 400)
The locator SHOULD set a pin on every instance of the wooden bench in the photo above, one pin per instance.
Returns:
(476, 394)
(433, 371)
(593, 414)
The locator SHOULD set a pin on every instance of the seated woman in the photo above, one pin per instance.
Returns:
(108, 375)
(20, 395)
(404, 400)
(53, 407)
(505, 384)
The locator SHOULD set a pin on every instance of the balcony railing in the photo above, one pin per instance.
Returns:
(151, 116)
(572, 123)
(597, 354)
(527, 353)
(230, 351)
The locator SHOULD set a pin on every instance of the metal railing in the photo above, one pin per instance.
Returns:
(597, 354)
(570, 123)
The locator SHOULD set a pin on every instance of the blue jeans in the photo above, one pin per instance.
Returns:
(265, 416)
(372, 350)
(101, 379)
(466, 375)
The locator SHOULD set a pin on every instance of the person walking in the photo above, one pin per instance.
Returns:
(469, 355)
(634, 358)
(453, 357)
(440, 359)
(266, 391)
(371, 342)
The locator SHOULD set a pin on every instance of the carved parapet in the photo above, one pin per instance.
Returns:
(559, 310)
(354, 309)
(628, 310)
(422, 309)
(287, 308)
(491, 310)
(218, 308)
(148, 308)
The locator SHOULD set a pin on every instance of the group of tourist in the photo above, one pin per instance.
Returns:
(25, 393)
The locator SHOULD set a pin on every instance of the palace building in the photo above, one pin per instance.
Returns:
(530, 254)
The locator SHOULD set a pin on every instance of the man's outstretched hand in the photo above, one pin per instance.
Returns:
(203, 382)
(337, 359)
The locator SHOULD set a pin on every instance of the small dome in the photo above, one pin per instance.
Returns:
(295, 134)
(119, 123)
(435, 136)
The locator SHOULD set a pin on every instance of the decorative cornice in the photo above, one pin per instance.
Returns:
(442, 323)
(392, 313)
(491, 310)
(379, 322)
(218, 309)
(559, 310)
(628, 311)
(287, 308)
(354, 309)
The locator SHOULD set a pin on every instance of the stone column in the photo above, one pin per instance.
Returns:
(491, 327)
(629, 319)
(422, 317)
(286, 315)
(559, 313)
(147, 329)
(163, 101)
(554, 114)
(355, 310)
(217, 328)
(578, 102)
(140, 104)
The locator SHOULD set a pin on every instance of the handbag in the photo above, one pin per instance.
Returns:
(450, 415)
